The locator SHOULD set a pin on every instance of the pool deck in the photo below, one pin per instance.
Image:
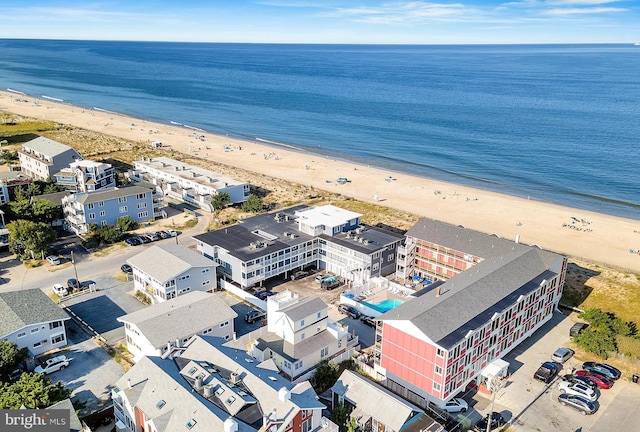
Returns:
(379, 293)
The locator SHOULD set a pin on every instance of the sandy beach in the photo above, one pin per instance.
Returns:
(581, 234)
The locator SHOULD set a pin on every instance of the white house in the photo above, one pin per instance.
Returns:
(155, 329)
(41, 158)
(188, 183)
(167, 271)
(298, 335)
(30, 319)
(86, 176)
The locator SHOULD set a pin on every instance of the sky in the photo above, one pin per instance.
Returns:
(326, 21)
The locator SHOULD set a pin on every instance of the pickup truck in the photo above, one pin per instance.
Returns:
(546, 372)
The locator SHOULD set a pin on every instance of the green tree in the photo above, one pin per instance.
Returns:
(45, 211)
(10, 358)
(597, 342)
(220, 201)
(21, 208)
(8, 156)
(50, 188)
(33, 189)
(27, 236)
(340, 416)
(325, 376)
(253, 204)
(32, 390)
(607, 321)
(125, 223)
(110, 234)
(352, 425)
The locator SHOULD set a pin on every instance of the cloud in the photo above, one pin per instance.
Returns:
(582, 11)
(403, 12)
(579, 2)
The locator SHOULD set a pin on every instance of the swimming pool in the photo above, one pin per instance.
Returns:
(385, 305)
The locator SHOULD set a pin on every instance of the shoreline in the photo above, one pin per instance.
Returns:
(581, 234)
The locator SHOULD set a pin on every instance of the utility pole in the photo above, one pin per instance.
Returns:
(75, 270)
(496, 385)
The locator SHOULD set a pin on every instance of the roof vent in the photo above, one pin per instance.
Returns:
(234, 378)
(284, 394)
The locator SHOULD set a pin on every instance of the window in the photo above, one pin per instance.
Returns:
(319, 314)
(219, 391)
(440, 352)
(160, 404)
(122, 199)
(390, 257)
(102, 213)
(375, 266)
(438, 370)
(436, 386)
(224, 324)
(298, 365)
(184, 277)
(324, 352)
(90, 206)
(57, 339)
(306, 425)
(230, 400)
(22, 334)
(206, 283)
(143, 214)
(141, 196)
(301, 336)
(103, 223)
(206, 270)
(142, 205)
(92, 215)
(37, 344)
(123, 209)
(191, 423)
(301, 323)
(35, 330)
(193, 370)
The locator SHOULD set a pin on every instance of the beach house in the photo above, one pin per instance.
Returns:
(188, 183)
(104, 207)
(30, 319)
(493, 294)
(208, 386)
(41, 158)
(166, 271)
(276, 244)
(86, 176)
(298, 335)
(154, 330)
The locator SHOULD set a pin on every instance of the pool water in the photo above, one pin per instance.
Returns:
(385, 305)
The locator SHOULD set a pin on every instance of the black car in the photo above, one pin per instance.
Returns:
(143, 239)
(254, 316)
(370, 321)
(496, 421)
(547, 372)
(73, 284)
(578, 403)
(126, 268)
(300, 274)
(603, 369)
(133, 241)
(575, 379)
(349, 310)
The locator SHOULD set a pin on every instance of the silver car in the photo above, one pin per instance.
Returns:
(562, 355)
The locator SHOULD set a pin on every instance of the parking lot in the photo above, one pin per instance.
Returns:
(530, 405)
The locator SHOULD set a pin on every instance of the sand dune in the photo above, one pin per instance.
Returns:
(585, 235)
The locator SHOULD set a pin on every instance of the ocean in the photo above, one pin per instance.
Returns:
(557, 123)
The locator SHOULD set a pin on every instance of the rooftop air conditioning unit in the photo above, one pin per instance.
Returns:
(234, 378)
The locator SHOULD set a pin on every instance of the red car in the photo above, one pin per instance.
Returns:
(599, 380)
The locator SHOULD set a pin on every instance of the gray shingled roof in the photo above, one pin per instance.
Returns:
(47, 146)
(166, 261)
(22, 308)
(303, 308)
(107, 194)
(300, 350)
(55, 197)
(180, 317)
(74, 422)
(372, 400)
(471, 298)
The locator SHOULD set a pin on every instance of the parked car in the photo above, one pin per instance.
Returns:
(579, 390)
(603, 369)
(126, 268)
(599, 380)
(456, 405)
(163, 234)
(254, 316)
(370, 321)
(562, 355)
(143, 239)
(133, 241)
(496, 421)
(73, 284)
(547, 372)
(53, 365)
(300, 274)
(153, 236)
(60, 290)
(575, 379)
(331, 283)
(578, 403)
(172, 233)
(348, 310)
(321, 277)
(577, 328)
(53, 260)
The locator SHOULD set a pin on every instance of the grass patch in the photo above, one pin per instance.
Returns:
(106, 250)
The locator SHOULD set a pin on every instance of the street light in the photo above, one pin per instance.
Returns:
(497, 383)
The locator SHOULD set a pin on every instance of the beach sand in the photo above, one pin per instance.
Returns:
(581, 234)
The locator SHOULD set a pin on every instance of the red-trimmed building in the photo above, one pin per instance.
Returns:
(490, 294)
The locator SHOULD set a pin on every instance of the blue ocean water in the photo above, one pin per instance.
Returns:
(558, 123)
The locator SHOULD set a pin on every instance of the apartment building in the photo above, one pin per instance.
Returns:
(86, 176)
(188, 183)
(208, 386)
(154, 330)
(275, 244)
(30, 319)
(166, 271)
(10, 180)
(493, 294)
(105, 207)
(298, 335)
(41, 158)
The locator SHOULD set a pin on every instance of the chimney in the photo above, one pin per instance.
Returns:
(284, 394)
(438, 292)
(231, 425)
(198, 383)
(518, 238)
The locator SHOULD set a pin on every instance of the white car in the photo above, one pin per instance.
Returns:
(53, 260)
(578, 390)
(53, 365)
(60, 290)
(456, 405)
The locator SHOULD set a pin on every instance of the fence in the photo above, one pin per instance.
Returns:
(239, 292)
